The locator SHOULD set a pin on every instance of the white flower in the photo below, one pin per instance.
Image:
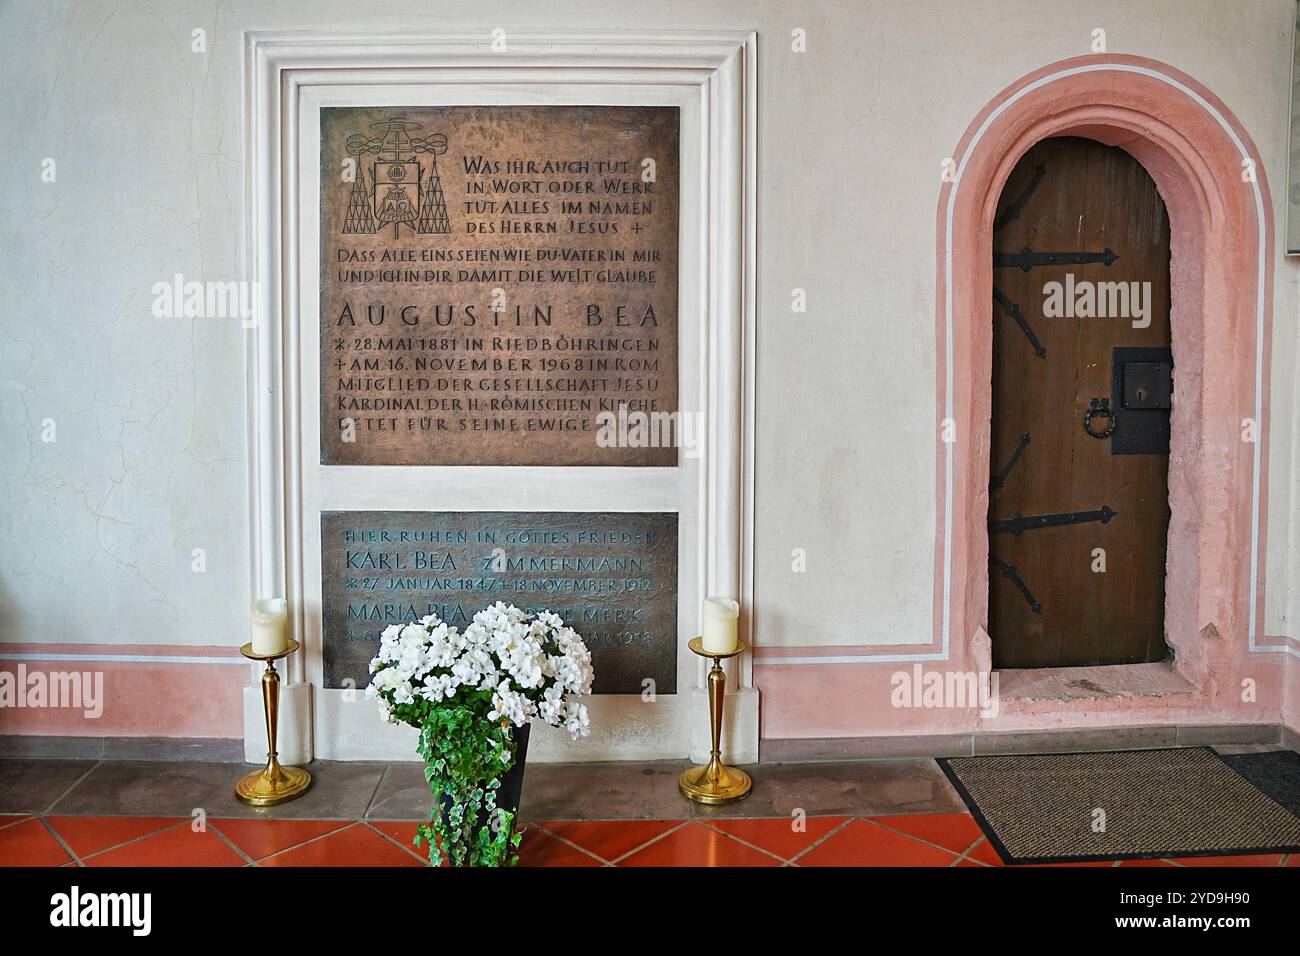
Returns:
(509, 704)
(398, 686)
(415, 635)
(535, 666)
(579, 722)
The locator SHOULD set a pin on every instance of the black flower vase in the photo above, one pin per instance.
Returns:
(512, 781)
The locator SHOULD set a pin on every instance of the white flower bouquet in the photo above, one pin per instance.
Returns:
(471, 694)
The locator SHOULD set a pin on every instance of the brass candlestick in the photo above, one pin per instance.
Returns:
(273, 783)
(715, 782)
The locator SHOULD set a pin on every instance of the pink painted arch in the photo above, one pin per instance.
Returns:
(1221, 231)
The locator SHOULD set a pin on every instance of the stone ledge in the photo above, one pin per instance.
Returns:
(207, 749)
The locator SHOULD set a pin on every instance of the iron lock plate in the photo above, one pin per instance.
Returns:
(1142, 394)
(1147, 385)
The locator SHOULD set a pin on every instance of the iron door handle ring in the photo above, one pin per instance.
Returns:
(1099, 408)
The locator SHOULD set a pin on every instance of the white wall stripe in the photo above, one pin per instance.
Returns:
(852, 659)
(127, 658)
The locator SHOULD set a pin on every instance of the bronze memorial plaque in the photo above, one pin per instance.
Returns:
(493, 279)
(611, 575)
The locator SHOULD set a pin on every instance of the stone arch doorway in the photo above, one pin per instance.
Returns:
(1210, 178)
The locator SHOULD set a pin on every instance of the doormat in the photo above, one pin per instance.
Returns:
(1119, 805)
(1276, 772)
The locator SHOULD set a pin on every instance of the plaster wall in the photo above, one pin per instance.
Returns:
(146, 481)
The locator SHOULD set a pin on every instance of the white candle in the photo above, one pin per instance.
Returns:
(270, 626)
(719, 630)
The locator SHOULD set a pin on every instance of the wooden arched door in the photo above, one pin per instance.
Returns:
(1082, 395)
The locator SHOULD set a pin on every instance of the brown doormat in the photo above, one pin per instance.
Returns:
(1119, 805)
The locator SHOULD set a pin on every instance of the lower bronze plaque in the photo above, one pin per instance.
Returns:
(611, 575)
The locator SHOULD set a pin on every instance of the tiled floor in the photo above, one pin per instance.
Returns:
(134, 813)
(925, 839)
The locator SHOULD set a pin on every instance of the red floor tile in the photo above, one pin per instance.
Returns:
(1145, 863)
(952, 831)
(9, 819)
(1263, 859)
(29, 844)
(87, 835)
(865, 844)
(261, 838)
(610, 839)
(698, 845)
(538, 848)
(535, 849)
(984, 852)
(357, 845)
(779, 836)
(403, 833)
(179, 846)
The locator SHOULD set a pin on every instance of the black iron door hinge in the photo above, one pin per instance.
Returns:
(1009, 572)
(1018, 523)
(1028, 259)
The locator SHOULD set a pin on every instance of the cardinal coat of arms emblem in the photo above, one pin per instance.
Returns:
(397, 190)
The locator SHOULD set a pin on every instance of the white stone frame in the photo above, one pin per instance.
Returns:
(714, 75)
